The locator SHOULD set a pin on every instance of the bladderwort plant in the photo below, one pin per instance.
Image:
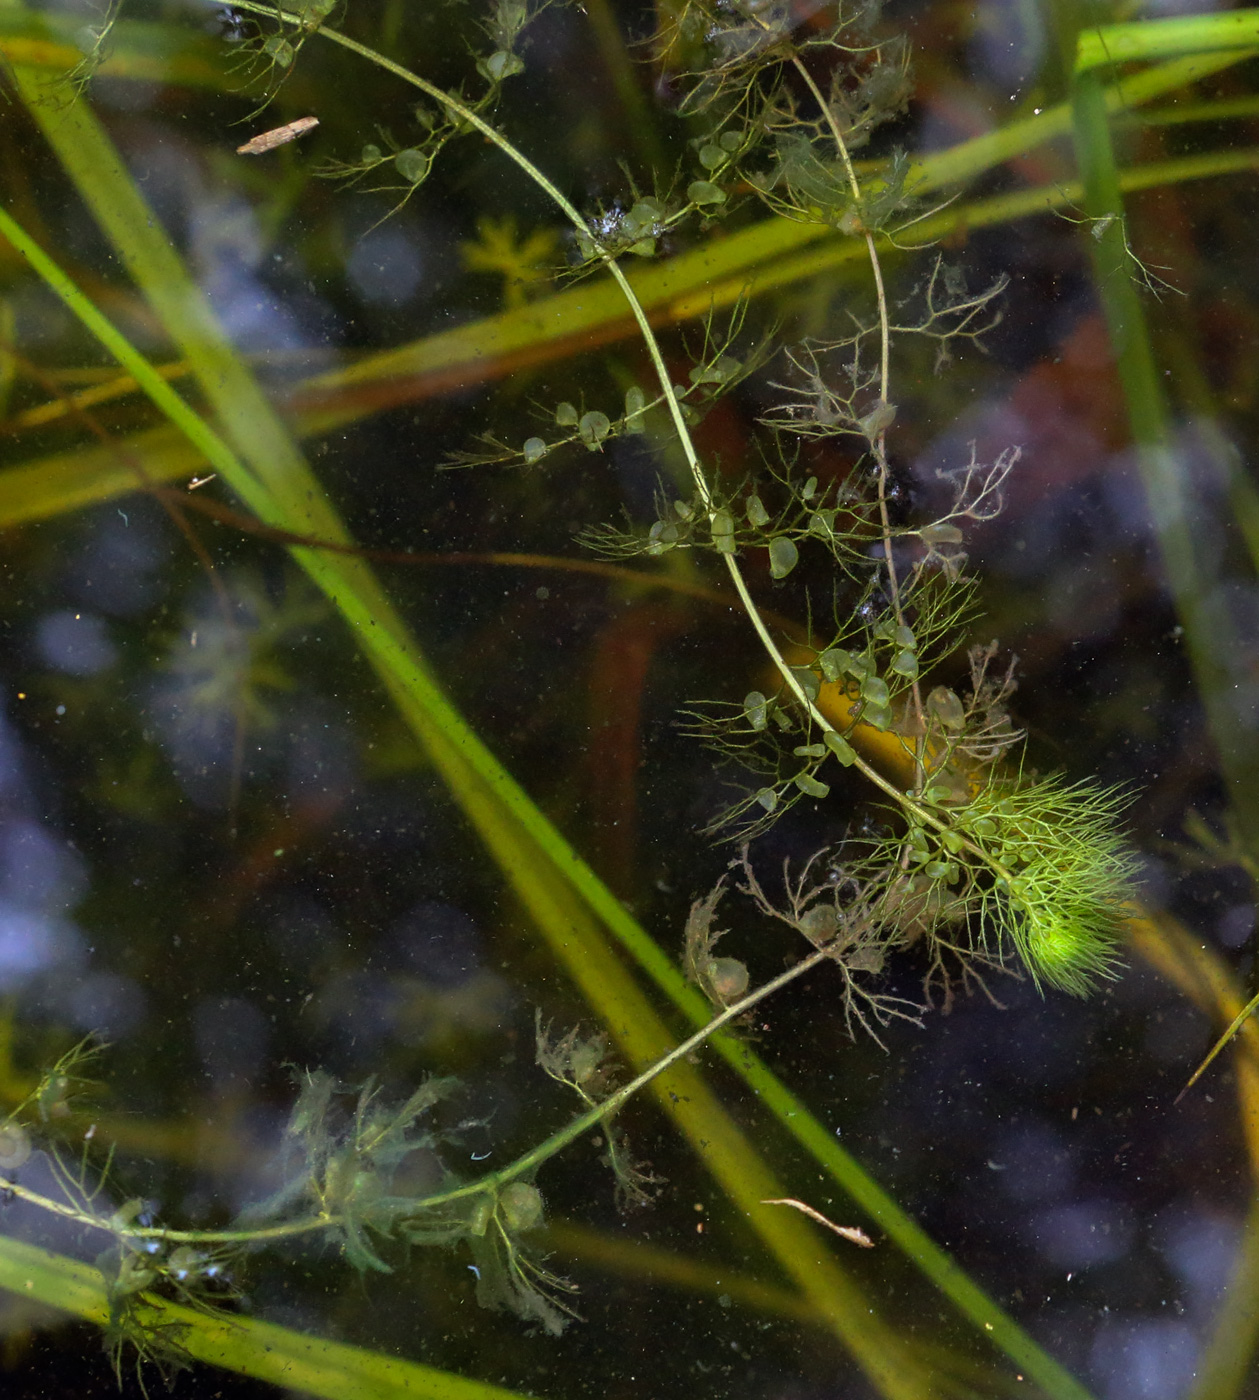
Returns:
(968, 854)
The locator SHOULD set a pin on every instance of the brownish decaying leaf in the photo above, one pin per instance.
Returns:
(277, 136)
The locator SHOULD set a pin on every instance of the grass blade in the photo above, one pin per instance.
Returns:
(1103, 45)
(1191, 572)
(295, 1360)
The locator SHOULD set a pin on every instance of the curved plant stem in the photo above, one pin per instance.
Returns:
(924, 815)
(489, 1184)
(879, 443)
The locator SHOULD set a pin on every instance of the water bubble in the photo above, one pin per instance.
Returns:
(594, 427)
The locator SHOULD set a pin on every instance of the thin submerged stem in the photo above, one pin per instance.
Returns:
(907, 800)
(490, 1184)
(879, 444)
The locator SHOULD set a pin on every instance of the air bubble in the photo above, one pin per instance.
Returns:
(594, 427)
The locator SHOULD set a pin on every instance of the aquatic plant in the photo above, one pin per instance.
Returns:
(968, 854)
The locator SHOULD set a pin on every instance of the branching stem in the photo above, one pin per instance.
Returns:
(921, 813)
(885, 354)
(488, 1185)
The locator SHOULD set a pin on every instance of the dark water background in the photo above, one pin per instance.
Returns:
(221, 913)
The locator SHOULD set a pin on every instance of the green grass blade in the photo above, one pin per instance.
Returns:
(1210, 633)
(136, 51)
(1159, 38)
(64, 481)
(260, 439)
(1227, 1362)
(295, 1360)
(204, 440)
(1238, 1021)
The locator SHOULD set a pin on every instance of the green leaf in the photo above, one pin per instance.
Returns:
(755, 708)
(705, 192)
(841, 748)
(279, 51)
(874, 690)
(783, 557)
(834, 661)
(501, 64)
(806, 678)
(719, 371)
(635, 405)
(643, 218)
(521, 1204)
(412, 164)
(945, 706)
(662, 535)
(941, 532)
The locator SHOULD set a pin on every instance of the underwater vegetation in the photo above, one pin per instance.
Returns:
(736, 357)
